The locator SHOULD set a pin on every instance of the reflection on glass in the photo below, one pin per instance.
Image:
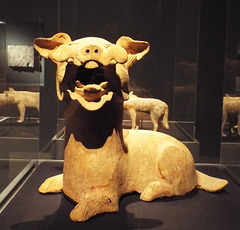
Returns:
(230, 146)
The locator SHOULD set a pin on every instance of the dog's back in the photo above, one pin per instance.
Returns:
(231, 104)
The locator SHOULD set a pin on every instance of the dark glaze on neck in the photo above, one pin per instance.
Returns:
(92, 128)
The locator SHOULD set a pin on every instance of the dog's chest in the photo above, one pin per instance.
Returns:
(94, 165)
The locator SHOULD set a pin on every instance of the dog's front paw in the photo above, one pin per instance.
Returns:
(52, 185)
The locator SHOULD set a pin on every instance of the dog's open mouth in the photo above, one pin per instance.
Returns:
(91, 92)
(91, 88)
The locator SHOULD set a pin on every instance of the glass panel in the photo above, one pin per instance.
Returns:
(167, 72)
(19, 82)
(185, 74)
(230, 147)
(4, 163)
(186, 62)
(49, 15)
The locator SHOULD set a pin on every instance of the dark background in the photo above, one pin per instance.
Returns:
(185, 66)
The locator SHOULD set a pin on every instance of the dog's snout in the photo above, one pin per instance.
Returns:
(92, 55)
(92, 50)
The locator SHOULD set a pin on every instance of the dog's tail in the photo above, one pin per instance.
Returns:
(210, 184)
(165, 117)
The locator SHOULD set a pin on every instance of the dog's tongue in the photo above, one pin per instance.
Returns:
(91, 92)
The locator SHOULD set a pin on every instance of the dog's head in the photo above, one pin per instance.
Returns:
(87, 68)
(9, 97)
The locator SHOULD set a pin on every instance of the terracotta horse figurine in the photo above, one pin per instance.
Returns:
(102, 161)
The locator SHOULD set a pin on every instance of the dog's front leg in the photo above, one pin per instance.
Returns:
(22, 109)
(53, 184)
(95, 203)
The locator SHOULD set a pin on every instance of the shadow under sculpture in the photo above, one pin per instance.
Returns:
(102, 161)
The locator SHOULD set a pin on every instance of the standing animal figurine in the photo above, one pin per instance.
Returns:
(156, 107)
(230, 105)
(102, 161)
(22, 99)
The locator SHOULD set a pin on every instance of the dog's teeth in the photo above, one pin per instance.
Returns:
(79, 84)
(79, 90)
(104, 84)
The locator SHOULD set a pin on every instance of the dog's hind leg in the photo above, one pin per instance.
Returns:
(157, 189)
(165, 117)
(133, 116)
(154, 119)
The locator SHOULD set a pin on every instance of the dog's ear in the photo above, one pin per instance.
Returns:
(46, 46)
(134, 47)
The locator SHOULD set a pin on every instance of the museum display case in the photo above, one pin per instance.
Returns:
(191, 65)
(19, 112)
(230, 144)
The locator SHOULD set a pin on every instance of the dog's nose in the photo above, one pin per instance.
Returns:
(92, 50)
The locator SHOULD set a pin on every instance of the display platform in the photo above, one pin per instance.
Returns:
(18, 138)
(9, 170)
(230, 146)
(234, 171)
(231, 134)
(197, 210)
(10, 128)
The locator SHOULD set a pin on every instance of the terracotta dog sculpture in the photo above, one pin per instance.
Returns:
(101, 160)
(230, 105)
(155, 107)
